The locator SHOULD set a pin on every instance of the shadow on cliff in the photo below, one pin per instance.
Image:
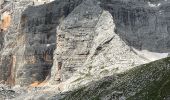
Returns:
(141, 25)
(133, 24)
(38, 25)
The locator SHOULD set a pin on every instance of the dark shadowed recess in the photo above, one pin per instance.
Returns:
(1, 40)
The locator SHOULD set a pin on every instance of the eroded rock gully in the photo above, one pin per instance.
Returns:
(77, 41)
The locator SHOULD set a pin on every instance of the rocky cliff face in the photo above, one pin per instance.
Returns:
(143, 24)
(87, 43)
(126, 34)
(74, 42)
(29, 42)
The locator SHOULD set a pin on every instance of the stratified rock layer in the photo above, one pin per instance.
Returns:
(75, 38)
(144, 24)
(84, 41)
(87, 45)
(91, 38)
(29, 42)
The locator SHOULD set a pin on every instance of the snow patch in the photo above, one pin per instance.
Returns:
(152, 56)
(154, 5)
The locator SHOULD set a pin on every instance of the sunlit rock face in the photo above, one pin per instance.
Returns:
(75, 38)
(87, 46)
(140, 35)
(69, 43)
(30, 40)
(93, 38)
(145, 82)
(40, 2)
(5, 21)
(1, 2)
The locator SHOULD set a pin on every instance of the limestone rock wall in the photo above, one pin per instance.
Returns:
(144, 24)
(30, 40)
(1, 2)
(93, 38)
(140, 25)
(40, 34)
(74, 40)
(84, 41)
(88, 47)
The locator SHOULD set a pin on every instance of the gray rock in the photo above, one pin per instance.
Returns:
(30, 40)
(74, 42)
(145, 82)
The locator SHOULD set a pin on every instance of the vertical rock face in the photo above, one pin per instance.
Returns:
(144, 24)
(6, 44)
(79, 41)
(87, 46)
(141, 25)
(39, 30)
(90, 37)
(27, 56)
(74, 40)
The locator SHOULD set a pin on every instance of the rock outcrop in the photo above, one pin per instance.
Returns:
(146, 82)
(90, 36)
(6, 92)
(29, 42)
(69, 43)
(87, 46)
(75, 37)
(143, 24)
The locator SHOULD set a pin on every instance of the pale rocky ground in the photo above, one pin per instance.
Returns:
(54, 46)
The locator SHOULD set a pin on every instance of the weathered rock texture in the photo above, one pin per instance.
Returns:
(5, 21)
(86, 38)
(143, 24)
(1, 2)
(78, 41)
(73, 42)
(6, 93)
(29, 42)
(75, 38)
(146, 82)
(117, 29)
(86, 41)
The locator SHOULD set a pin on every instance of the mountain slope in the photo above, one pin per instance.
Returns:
(52, 47)
(146, 82)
